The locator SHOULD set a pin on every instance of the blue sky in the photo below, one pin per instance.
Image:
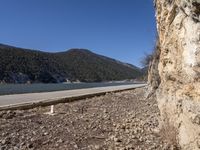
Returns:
(121, 29)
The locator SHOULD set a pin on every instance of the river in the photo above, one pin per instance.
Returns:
(6, 89)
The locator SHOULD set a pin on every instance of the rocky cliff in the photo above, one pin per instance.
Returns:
(175, 71)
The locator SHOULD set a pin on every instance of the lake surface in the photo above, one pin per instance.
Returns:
(6, 89)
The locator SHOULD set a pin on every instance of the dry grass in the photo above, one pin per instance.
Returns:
(169, 133)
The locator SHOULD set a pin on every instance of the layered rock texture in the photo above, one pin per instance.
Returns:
(175, 71)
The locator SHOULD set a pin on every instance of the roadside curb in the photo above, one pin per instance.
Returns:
(30, 105)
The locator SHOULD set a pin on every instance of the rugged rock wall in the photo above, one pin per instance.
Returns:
(178, 92)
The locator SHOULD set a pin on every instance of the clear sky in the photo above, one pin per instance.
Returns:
(121, 29)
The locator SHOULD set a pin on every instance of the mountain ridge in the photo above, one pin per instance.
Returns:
(73, 64)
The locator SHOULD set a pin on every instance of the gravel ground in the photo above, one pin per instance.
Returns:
(124, 121)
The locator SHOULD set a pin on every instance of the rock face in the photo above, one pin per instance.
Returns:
(178, 66)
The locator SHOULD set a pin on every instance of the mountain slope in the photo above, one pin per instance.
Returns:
(21, 65)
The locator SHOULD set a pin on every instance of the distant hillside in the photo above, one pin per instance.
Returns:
(23, 65)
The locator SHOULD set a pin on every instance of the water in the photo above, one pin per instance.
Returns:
(6, 89)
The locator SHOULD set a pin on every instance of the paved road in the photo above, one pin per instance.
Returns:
(18, 100)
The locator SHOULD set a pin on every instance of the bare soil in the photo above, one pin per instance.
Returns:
(123, 120)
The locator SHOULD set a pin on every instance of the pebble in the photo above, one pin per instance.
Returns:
(3, 142)
(76, 146)
(97, 147)
(117, 140)
(60, 141)
(15, 148)
(46, 133)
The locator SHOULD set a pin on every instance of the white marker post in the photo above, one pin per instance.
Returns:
(52, 109)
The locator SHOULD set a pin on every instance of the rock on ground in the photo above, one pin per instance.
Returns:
(124, 121)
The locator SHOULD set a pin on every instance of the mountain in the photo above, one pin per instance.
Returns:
(20, 65)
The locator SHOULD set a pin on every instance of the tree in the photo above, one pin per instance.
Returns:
(146, 60)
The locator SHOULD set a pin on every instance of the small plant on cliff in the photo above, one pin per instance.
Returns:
(146, 60)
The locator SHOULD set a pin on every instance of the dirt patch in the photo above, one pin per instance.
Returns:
(124, 120)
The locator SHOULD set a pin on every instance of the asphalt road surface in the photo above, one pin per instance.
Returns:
(16, 100)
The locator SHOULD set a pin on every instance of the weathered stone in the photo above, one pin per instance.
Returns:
(198, 144)
(175, 70)
(196, 120)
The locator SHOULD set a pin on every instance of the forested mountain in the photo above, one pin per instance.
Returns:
(19, 65)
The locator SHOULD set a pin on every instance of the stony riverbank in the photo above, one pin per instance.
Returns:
(124, 120)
